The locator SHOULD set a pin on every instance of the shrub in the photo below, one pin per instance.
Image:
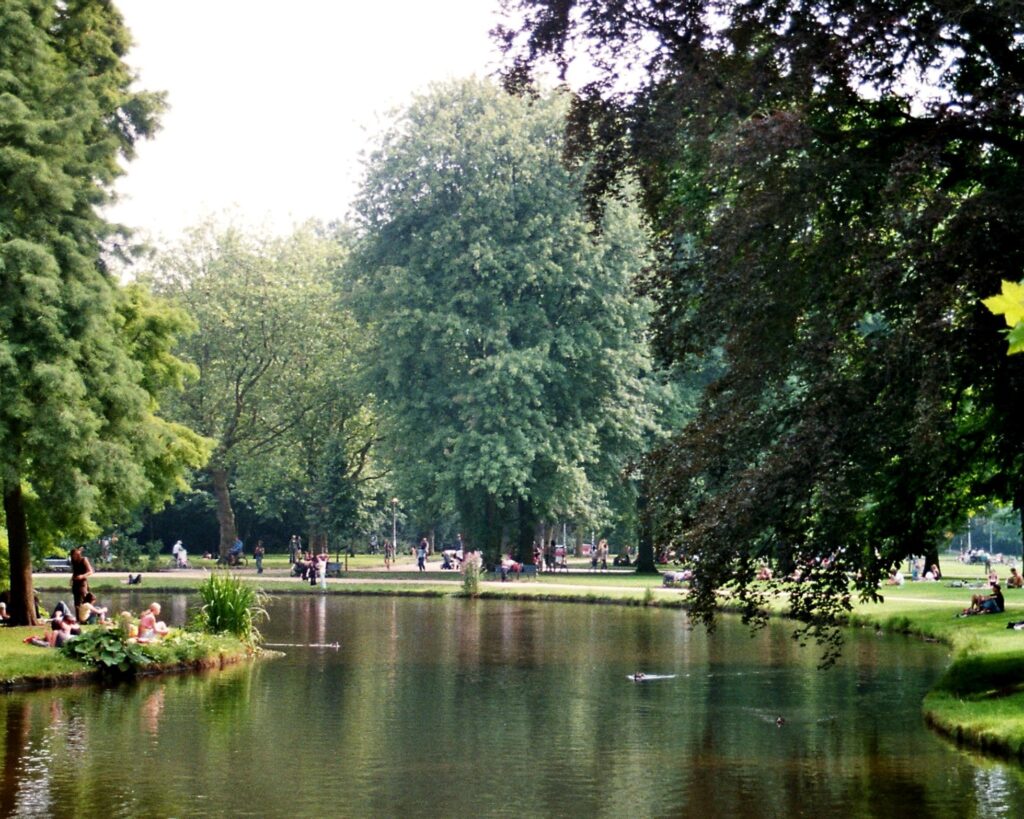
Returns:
(108, 649)
(471, 569)
(231, 606)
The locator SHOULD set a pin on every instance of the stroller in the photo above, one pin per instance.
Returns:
(180, 555)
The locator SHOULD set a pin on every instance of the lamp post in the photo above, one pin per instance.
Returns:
(394, 524)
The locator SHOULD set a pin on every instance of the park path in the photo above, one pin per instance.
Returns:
(277, 576)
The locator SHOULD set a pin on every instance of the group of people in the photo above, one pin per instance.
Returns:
(917, 573)
(993, 603)
(312, 568)
(66, 625)
(550, 557)
(599, 556)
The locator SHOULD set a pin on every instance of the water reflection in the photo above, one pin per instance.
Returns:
(479, 708)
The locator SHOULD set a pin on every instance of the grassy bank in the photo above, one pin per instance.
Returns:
(28, 666)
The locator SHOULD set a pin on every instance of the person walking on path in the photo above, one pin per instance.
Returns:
(321, 569)
(258, 553)
(81, 570)
(421, 555)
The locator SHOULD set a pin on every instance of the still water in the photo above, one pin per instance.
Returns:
(473, 708)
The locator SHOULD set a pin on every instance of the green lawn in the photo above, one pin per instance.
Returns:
(18, 660)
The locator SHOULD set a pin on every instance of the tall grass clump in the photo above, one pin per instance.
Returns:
(231, 606)
(472, 567)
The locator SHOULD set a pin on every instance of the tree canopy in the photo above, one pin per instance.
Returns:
(834, 187)
(80, 357)
(275, 360)
(507, 351)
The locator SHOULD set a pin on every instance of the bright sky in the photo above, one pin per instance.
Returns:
(272, 103)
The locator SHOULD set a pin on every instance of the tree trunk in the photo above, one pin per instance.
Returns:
(525, 531)
(225, 514)
(645, 546)
(23, 608)
(1018, 504)
(492, 533)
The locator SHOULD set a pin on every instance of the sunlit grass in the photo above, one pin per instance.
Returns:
(19, 661)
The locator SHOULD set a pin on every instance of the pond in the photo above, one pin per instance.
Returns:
(485, 708)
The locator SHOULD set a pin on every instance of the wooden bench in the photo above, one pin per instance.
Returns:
(57, 564)
(334, 568)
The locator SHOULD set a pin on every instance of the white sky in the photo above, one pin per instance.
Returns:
(272, 102)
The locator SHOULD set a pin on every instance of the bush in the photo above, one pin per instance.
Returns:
(471, 569)
(111, 650)
(108, 649)
(231, 606)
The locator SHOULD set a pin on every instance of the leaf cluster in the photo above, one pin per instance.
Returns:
(507, 351)
(833, 189)
(231, 606)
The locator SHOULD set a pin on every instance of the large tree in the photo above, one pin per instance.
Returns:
(834, 186)
(273, 354)
(508, 353)
(80, 358)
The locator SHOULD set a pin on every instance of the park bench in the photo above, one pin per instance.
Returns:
(334, 568)
(57, 564)
(525, 570)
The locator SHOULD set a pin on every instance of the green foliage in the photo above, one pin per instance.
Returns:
(231, 606)
(834, 188)
(983, 675)
(109, 649)
(472, 568)
(507, 348)
(275, 357)
(81, 443)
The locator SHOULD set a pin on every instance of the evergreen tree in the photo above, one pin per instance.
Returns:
(80, 358)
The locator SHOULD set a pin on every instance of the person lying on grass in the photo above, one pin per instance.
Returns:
(62, 629)
(986, 603)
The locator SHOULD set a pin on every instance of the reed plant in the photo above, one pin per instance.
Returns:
(472, 568)
(231, 606)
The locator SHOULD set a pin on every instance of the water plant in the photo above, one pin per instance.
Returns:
(232, 606)
(471, 570)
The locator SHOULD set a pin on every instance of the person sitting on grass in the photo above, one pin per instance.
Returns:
(149, 627)
(89, 613)
(986, 603)
(1015, 581)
